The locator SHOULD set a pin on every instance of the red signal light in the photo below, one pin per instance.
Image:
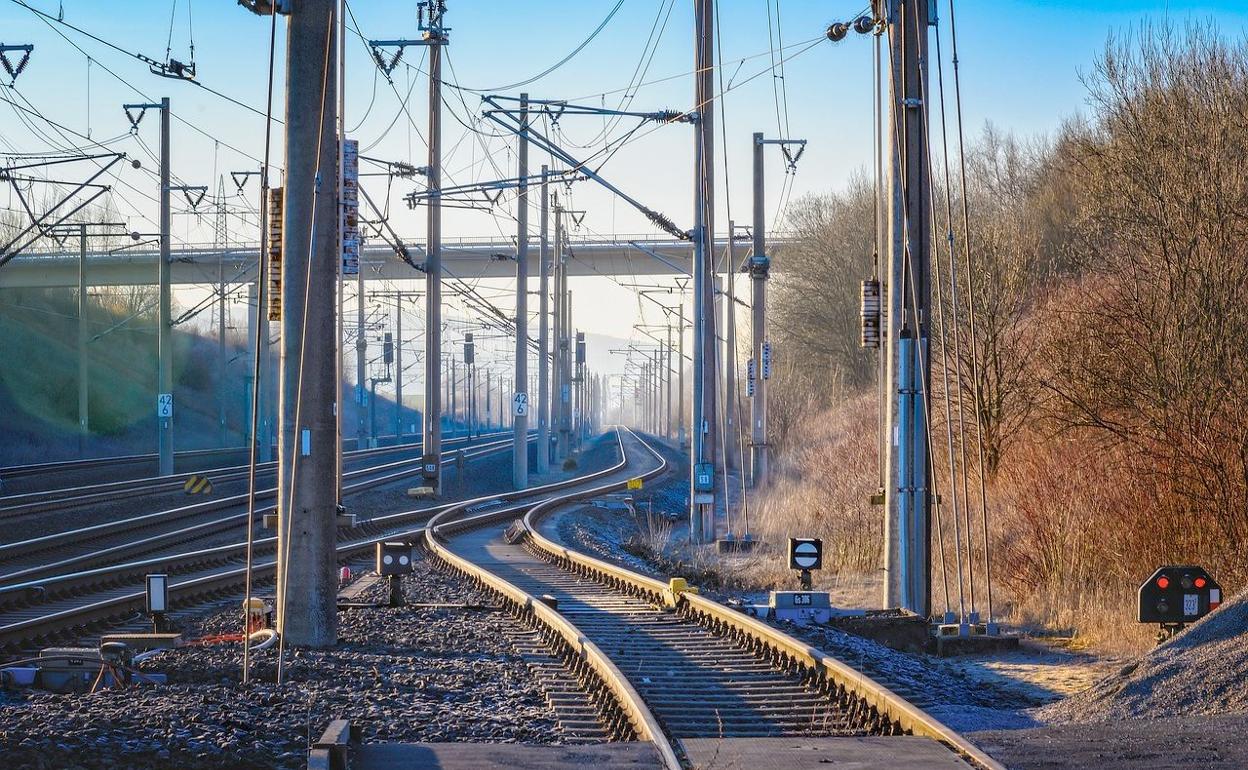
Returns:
(1163, 582)
(1200, 582)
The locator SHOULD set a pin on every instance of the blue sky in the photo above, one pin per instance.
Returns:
(1021, 62)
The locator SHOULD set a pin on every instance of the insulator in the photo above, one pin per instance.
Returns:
(864, 25)
(871, 306)
(838, 31)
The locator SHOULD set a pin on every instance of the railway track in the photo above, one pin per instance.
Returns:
(65, 498)
(31, 477)
(668, 666)
(131, 537)
(63, 605)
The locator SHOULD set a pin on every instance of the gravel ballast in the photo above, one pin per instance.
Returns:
(1203, 670)
(403, 674)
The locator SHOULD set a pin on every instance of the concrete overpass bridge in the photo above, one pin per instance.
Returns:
(464, 258)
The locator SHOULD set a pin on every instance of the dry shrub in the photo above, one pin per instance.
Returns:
(823, 487)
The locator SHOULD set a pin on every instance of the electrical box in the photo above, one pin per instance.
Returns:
(759, 266)
(470, 349)
(704, 477)
(387, 348)
(805, 553)
(394, 559)
(800, 607)
(1177, 595)
(580, 347)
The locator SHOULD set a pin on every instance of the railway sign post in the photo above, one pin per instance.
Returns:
(805, 554)
(157, 600)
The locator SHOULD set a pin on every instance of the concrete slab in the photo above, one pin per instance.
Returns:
(502, 756)
(868, 753)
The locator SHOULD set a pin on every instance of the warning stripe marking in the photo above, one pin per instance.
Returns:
(198, 485)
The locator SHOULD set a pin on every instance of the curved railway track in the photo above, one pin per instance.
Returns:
(648, 662)
(669, 666)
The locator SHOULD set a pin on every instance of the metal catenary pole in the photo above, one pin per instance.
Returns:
(705, 429)
(307, 481)
(436, 37)
(732, 418)
(758, 269)
(398, 367)
(520, 422)
(83, 417)
(907, 499)
(165, 334)
(543, 335)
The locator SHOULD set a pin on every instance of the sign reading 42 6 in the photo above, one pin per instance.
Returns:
(164, 405)
(520, 404)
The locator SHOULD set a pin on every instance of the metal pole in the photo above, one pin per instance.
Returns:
(222, 437)
(398, 367)
(705, 429)
(543, 335)
(569, 379)
(433, 262)
(759, 267)
(667, 377)
(451, 387)
(560, 381)
(83, 405)
(307, 481)
(361, 362)
(907, 500)
(340, 299)
(681, 427)
(520, 421)
(164, 420)
(268, 382)
(733, 426)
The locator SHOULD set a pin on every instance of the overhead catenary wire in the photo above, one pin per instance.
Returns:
(974, 344)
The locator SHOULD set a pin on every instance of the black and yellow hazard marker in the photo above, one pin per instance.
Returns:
(198, 485)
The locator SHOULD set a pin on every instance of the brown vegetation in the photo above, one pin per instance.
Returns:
(1109, 273)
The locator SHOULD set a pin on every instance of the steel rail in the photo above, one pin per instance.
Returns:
(891, 713)
(26, 503)
(846, 681)
(133, 548)
(605, 672)
(221, 576)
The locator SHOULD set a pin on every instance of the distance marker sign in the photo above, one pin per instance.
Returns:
(805, 553)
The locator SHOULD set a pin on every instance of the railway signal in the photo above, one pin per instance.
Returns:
(394, 560)
(1176, 595)
(805, 554)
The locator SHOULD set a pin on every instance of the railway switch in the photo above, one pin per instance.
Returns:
(1176, 595)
